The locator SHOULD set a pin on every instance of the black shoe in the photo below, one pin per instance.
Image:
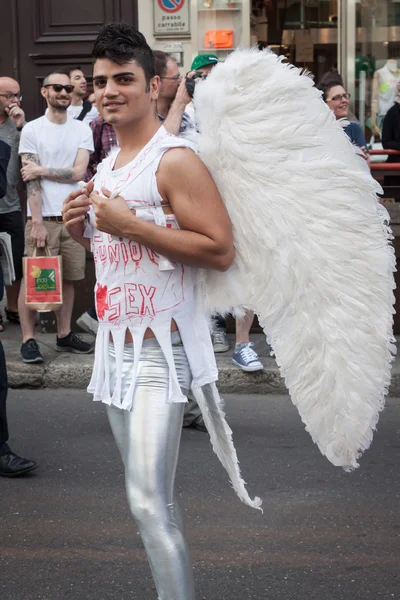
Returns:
(12, 465)
(73, 343)
(197, 424)
(30, 352)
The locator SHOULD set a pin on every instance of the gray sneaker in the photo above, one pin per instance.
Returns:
(220, 341)
(88, 323)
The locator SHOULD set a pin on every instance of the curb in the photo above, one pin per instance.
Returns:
(74, 371)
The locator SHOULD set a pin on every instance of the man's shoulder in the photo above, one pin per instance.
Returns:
(78, 125)
(6, 129)
(97, 124)
(35, 123)
(176, 157)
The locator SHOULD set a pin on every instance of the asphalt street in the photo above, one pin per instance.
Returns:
(66, 533)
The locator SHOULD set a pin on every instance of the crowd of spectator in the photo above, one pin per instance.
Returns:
(64, 146)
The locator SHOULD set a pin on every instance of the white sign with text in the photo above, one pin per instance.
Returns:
(171, 17)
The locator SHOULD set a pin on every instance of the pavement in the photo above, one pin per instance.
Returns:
(61, 369)
(67, 534)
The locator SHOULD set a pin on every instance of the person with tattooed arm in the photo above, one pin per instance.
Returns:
(54, 153)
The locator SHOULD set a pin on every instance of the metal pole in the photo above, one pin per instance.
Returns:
(348, 51)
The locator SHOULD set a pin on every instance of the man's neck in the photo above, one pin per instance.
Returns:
(3, 118)
(163, 106)
(133, 139)
(76, 100)
(57, 116)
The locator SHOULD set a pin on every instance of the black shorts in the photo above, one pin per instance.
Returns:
(11, 223)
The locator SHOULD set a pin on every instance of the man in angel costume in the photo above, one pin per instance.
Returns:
(312, 260)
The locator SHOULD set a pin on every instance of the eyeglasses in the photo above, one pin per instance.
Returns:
(57, 87)
(174, 78)
(339, 97)
(10, 96)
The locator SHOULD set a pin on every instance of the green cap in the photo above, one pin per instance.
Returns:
(203, 60)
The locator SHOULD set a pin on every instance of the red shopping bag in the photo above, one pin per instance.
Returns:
(43, 282)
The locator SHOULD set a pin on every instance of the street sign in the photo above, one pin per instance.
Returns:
(171, 17)
(171, 6)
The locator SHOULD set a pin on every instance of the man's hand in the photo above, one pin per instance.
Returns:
(16, 115)
(30, 171)
(75, 209)
(182, 97)
(112, 215)
(39, 235)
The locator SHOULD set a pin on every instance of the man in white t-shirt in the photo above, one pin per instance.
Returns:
(80, 109)
(55, 152)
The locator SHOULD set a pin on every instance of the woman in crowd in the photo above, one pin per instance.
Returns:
(337, 99)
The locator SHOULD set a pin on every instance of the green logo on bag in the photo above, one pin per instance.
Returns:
(47, 281)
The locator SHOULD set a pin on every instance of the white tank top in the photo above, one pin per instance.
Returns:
(137, 289)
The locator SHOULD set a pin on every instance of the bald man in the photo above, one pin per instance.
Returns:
(12, 120)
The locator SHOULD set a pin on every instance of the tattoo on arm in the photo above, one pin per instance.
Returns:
(60, 173)
(33, 187)
(31, 157)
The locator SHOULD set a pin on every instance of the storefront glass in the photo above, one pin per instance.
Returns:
(377, 60)
(305, 31)
(220, 26)
(359, 38)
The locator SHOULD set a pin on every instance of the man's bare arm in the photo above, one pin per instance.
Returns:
(205, 238)
(39, 233)
(72, 174)
(175, 114)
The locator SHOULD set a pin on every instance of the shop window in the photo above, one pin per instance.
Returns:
(220, 26)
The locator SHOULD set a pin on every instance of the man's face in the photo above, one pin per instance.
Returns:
(57, 98)
(79, 82)
(170, 81)
(121, 93)
(9, 95)
(207, 69)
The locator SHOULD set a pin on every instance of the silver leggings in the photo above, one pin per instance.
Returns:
(148, 439)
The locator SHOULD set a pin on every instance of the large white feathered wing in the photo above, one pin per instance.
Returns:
(313, 256)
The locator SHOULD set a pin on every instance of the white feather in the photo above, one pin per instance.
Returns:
(313, 252)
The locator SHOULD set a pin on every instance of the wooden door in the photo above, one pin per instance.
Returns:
(37, 36)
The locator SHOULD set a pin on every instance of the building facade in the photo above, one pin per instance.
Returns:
(359, 38)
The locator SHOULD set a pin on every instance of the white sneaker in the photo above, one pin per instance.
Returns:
(246, 358)
(220, 341)
(88, 323)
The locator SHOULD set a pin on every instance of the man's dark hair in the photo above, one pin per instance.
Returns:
(122, 43)
(328, 81)
(161, 62)
(68, 70)
(60, 72)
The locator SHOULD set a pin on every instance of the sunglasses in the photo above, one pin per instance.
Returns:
(57, 87)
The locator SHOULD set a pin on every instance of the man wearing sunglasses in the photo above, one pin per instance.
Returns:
(12, 119)
(54, 151)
